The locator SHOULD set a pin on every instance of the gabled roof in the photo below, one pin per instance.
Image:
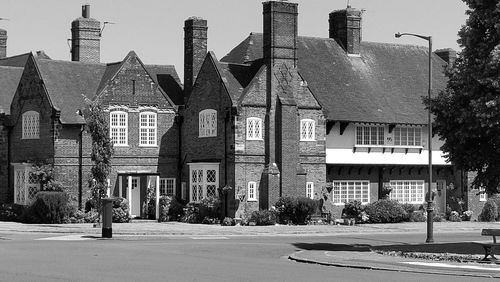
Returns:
(385, 84)
(167, 78)
(9, 80)
(20, 60)
(66, 83)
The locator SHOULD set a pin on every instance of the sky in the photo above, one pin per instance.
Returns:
(154, 28)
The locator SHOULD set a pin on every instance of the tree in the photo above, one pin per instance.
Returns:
(467, 112)
(102, 151)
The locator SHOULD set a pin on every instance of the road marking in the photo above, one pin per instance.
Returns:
(437, 264)
(209, 238)
(77, 237)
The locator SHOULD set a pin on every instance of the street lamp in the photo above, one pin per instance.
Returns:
(430, 208)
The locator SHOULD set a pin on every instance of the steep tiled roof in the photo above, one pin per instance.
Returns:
(385, 84)
(9, 79)
(67, 82)
(20, 60)
(167, 78)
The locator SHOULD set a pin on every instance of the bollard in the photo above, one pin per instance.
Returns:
(107, 217)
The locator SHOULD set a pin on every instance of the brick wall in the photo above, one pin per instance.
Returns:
(4, 161)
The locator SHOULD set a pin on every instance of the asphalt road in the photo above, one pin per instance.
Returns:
(193, 258)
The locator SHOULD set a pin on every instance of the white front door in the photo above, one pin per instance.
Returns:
(135, 205)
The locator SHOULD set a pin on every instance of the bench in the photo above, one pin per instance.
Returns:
(489, 248)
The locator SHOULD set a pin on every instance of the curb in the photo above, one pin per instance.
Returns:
(297, 258)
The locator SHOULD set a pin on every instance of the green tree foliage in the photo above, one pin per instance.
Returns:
(102, 150)
(467, 112)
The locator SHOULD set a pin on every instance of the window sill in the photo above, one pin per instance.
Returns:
(252, 200)
(148, 146)
(307, 140)
(255, 139)
(343, 204)
(120, 145)
(390, 148)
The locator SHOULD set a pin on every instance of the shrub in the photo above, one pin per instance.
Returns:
(191, 214)
(285, 208)
(295, 210)
(49, 207)
(170, 209)
(354, 210)
(263, 217)
(11, 212)
(304, 209)
(409, 209)
(120, 210)
(385, 211)
(418, 216)
(454, 216)
(228, 221)
(210, 220)
(489, 212)
(210, 207)
(466, 215)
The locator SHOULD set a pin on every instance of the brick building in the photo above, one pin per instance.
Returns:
(336, 118)
(47, 124)
(333, 118)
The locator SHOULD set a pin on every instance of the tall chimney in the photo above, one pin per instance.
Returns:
(345, 28)
(3, 43)
(85, 38)
(280, 31)
(195, 50)
(448, 55)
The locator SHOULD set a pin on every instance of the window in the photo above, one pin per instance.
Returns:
(147, 129)
(252, 191)
(370, 135)
(483, 197)
(307, 130)
(167, 187)
(441, 184)
(119, 128)
(31, 125)
(208, 123)
(407, 136)
(26, 185)
(347, 191)
(204, 181)
(254, 128)
(407, 192)
(310, 190)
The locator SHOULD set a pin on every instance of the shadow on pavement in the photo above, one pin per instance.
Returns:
(333, 247)
(465, 248)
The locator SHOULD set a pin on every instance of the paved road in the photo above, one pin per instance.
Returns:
(71, 257)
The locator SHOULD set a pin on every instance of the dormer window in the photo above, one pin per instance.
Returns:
(31, 125)
(307, 130)
(119, 128)
(407, 136)
(370, 135)
(208, 123)
(254, 128)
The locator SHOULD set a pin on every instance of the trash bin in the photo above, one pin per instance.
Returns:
(107, 217)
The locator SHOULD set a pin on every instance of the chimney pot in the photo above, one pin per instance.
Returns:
(86, 11)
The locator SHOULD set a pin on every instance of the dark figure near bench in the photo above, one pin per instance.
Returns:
(489, 248)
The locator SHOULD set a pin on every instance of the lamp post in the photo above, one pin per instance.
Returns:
(430, 208)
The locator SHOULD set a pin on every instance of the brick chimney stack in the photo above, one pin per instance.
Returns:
(85, 38)
(3, 43)
(195, 50)
(280, 31)
(345, 28)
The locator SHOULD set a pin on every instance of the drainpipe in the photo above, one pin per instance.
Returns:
(80, 166)
(179, 119)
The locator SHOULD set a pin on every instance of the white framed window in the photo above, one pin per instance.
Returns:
(31, 125)
(407, 136)
(310, 190)
(26, 185)
(370, 135)
(483, 197)
(207, 123)
(147, 129)
(167, 187)
(254, 128)
(204, 181)
(118, 121)
(351, 190)
(252, 191)
(407, 191)
(307, 130)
